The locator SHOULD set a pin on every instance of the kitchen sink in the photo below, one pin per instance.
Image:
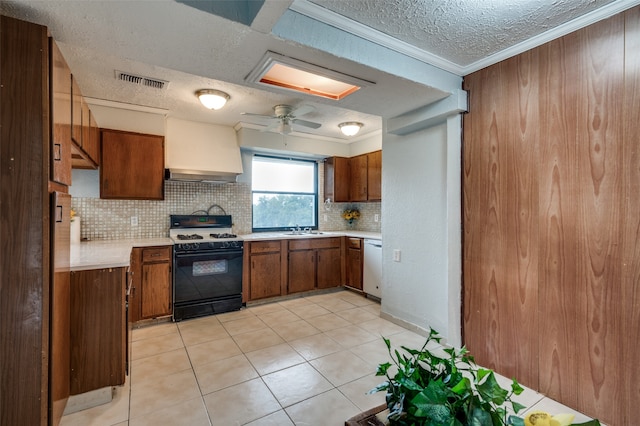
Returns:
(303, 234)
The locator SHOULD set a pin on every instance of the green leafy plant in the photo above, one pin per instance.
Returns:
(431, 390)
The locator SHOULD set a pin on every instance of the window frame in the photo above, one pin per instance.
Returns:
(315, 194)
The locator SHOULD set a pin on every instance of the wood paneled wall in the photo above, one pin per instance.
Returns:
(551, 192)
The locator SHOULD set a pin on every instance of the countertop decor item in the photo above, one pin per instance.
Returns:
(74, 227)
(350, 215)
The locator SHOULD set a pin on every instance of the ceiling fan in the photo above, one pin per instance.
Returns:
(285, 116)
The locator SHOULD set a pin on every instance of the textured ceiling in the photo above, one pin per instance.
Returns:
(195, 49)
(462, 31)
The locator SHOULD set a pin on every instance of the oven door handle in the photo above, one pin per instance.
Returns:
(206, 253)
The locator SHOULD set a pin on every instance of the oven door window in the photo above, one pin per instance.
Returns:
(210, 267)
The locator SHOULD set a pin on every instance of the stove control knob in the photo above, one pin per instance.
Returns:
(234, 244)
(225, 244)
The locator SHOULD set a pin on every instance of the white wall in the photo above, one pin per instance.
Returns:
(420, 192)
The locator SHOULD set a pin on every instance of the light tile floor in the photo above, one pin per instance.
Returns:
(306, 361)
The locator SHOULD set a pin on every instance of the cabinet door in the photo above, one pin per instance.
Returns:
(132, 166)
(76, 112)
(374, 176)
(98, 329)
(135, 299)
(354, 268)
(329, 268)
(336, 179)
(60, 77)
(358, 188)
(302, 271)
(265, 275)
(90, 144)
(59, 354)
(156, 289)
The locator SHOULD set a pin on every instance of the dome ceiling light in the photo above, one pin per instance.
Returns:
(212, 99)
(350, 128)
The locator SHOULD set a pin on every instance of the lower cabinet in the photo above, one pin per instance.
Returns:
(354, 263)
(98, 329)
(314, 263)
(265, 269)
(151, 291)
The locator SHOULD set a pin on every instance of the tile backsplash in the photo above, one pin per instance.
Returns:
(111, 219)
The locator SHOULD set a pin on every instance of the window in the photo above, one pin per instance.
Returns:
(285, 193)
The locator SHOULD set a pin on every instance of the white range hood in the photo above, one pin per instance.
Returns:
(201, 152)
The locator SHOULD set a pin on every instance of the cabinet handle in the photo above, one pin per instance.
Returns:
(58, 214)
(57, 152)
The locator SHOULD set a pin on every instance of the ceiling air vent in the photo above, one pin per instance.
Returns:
(141, 80)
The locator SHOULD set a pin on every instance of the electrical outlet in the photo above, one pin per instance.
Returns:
(396, 255)
(324, 217)
(376, 218)
(134, 220)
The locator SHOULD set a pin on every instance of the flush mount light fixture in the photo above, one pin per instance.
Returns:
(212, 99)
(350, 128)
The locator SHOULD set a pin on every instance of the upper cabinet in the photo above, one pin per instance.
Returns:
(354, 179)
(374, 176)
(132, 166)
(358, 181)
(60, 85)
(336, 179)
(85, 148)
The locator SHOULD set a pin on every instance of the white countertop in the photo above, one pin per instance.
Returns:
(116, 253)
(108, 253)
(284, 236)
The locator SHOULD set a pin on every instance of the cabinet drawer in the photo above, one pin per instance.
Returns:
(314, 243)
(156, 254)
(354, 243)
(264, 246)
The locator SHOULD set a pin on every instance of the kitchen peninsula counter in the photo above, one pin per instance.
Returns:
(109, 253)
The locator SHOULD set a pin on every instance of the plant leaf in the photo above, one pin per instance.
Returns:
(516, 406)
(515, 421)
(515, 387)
(490, 390)
(593, 422)
(382, 369)
(479, 417)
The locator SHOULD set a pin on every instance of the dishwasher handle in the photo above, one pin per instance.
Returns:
(375, 243)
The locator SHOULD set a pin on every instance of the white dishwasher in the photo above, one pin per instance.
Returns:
(372, 268)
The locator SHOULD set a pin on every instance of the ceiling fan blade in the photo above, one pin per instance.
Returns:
(273, 125)
(306, 123)
(250, 114)
(304, 109)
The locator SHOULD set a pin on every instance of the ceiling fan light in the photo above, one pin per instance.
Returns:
(284, 127)
(212, 99)
(350, 128)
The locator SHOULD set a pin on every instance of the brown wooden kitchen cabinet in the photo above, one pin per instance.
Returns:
(85, 147)
(151, 290)
(265, 269)
(336, 179)
(98, 329)
(132, 166)
(358, 178)
(314, 263)
(90, 137)
(60, 84)
(354, 263)
(374, 176)
(355, 179)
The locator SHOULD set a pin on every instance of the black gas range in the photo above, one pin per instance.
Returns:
(207, 266)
